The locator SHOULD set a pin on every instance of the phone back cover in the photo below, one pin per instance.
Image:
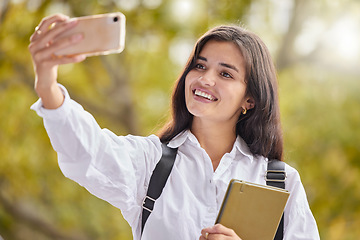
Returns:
(253, 211)
(101, 35)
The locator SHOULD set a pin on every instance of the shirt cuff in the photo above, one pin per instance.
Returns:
(53, 113)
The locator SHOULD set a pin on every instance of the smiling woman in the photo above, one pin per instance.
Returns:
(225, 125)
(252, 60)
(215, 89)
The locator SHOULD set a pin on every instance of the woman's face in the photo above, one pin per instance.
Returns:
(215, 88)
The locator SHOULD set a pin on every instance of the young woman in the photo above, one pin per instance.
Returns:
(225, 124)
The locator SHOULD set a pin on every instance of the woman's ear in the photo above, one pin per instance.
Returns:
(250, 103)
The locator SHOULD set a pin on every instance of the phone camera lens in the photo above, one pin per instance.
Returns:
(116, 19)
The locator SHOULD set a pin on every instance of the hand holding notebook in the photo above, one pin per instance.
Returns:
(252, 210)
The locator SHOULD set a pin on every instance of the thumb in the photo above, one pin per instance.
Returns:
(218, 229)
(209, 230)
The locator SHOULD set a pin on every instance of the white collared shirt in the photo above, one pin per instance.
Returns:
(117, 169)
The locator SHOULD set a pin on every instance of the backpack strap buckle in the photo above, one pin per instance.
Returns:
(275, 176)
(148, 204)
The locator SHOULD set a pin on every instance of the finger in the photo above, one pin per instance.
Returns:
(54, 60)
(218, 228)
(47, 53)
(208, 230)
(215, 236)
(64, 42)
(46, 56)
(202, 238)
(48, 37)
(40, 53)
(205, 232)
(68, 59)
(46, 24)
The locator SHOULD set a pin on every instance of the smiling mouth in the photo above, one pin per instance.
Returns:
(204, 95)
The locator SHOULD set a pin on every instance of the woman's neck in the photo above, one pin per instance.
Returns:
(216, 139)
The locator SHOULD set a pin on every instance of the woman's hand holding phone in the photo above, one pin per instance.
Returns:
(43, 45)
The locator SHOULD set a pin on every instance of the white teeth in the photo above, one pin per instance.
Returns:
(204, 95)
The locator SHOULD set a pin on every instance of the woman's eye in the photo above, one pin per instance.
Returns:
(225, 74)
(199, 66)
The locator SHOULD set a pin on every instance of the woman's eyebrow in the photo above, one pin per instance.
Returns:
(202, 58)
(229, 66)
(221, 64)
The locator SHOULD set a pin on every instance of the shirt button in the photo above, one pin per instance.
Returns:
(211, 210)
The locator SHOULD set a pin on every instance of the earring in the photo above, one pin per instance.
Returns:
(244, 111)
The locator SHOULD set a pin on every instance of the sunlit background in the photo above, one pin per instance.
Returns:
(315, 45)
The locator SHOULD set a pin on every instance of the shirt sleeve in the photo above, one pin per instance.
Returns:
(113, 168)
(299, 222)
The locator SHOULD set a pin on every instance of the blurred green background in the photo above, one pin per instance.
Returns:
(315, 45)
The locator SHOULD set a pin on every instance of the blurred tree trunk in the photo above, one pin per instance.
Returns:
(286, 55)
(3, 10)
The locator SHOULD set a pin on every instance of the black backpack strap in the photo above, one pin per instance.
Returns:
(157, 181)
(275, 176)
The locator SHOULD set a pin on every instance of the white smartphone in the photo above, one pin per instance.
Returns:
(102, 34)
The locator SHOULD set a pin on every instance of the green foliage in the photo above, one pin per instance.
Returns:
(129, 93)
(321, 126)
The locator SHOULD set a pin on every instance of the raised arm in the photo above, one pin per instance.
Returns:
(42, 47)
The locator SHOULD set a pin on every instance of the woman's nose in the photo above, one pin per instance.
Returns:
(208, 79)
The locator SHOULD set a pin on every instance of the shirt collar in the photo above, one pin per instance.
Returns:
(243, 148)
(180, 139)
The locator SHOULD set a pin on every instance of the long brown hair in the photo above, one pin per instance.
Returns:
(260, 127)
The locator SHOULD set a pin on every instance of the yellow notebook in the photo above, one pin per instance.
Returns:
(252, 210)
